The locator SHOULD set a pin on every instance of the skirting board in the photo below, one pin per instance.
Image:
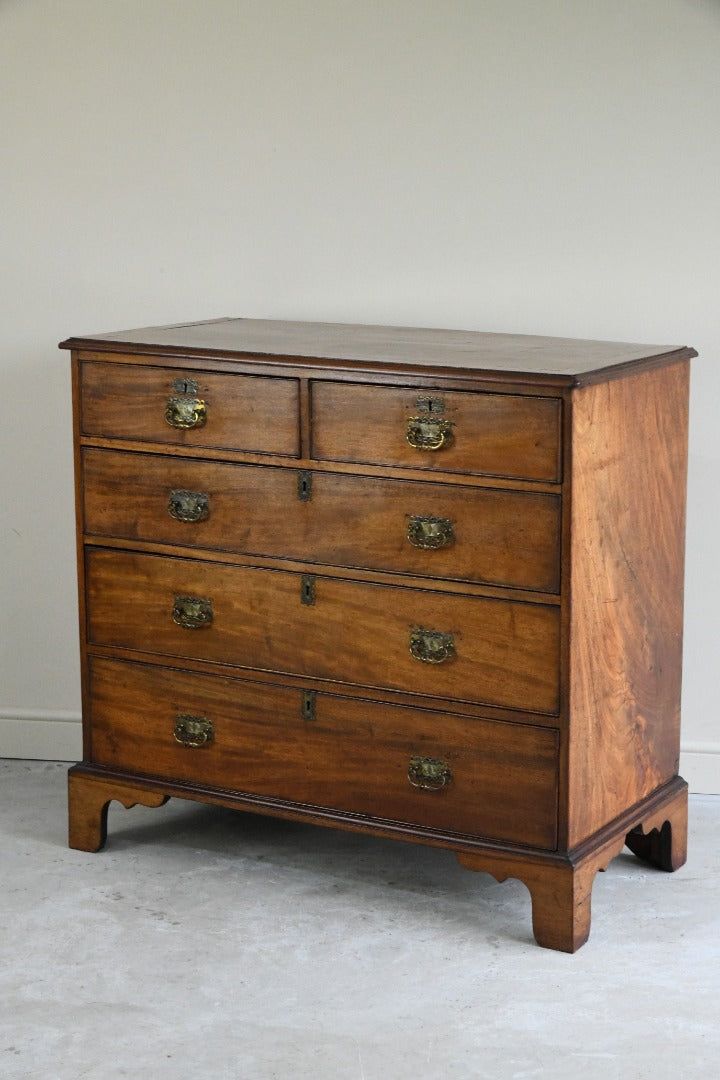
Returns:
(700, 765)
(57, 736)
(40, 735)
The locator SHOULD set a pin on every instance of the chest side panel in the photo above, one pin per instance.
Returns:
(629, 463)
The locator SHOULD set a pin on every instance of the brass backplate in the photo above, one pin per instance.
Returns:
(189, 506)
(430, 774)
(430, 533)
(431, 646)
(428, 432)
(192, 612)
(193, 731)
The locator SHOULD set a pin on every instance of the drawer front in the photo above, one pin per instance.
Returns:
(484, 778)
(485, 535)
(236, 412)
(496, 652)
(496, 434)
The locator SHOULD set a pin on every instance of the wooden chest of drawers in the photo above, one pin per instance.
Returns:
(426, 584)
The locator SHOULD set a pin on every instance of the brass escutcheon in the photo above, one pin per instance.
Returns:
(188, 505)
(185, 412)
(183, 385)
(428, 433)
(430, 774)
(193, 731)
(192, 612)
(430, 533)
(304, 486)
(307, 589)
(430, 405)
(431, 646)
(308, 708)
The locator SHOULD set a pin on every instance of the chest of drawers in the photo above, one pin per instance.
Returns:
(424, 584)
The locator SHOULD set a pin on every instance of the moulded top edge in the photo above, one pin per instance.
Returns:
(551, 360)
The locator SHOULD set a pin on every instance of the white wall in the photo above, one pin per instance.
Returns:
(543, 167)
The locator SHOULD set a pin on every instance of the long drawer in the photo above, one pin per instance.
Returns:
(190, 408)
(496, 434)
(497, 652)
(434, 770)
(464, 533)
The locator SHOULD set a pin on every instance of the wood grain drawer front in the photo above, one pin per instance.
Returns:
(496, 434)
(239, 412)
(498, 537)
(497, 652)
(350, 755)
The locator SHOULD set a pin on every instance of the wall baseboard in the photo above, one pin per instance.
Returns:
(700, 765)
(40, 734)
(57, 736)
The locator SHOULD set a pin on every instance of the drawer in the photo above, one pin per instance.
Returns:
(492, 779)
(237, 412)
(496, 434)
(497, 652)
(494, 536)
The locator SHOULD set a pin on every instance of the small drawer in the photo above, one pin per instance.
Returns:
(495, 652)
(190, 408)
(473, 534)
(476, 433)
(435, 770)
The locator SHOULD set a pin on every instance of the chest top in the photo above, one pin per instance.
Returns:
(507, 357)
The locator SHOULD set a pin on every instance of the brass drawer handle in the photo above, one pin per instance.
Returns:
(192, 612)
(428, 433)
(430, 533)
(430, 774)
(431, 646)
(188, 505)
(182, 411)
(193, 731)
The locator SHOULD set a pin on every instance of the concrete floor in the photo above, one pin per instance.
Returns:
(204, 943)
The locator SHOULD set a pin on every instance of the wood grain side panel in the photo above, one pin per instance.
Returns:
(629, 454)
(506, 653)
(352, 756)
(244, 412)
(500, 537)
(498, 434)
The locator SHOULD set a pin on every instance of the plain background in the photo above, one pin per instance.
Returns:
(511, 165)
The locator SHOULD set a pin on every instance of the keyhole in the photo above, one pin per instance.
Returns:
(185, 386)
(304, 486)
(307, 708)
(307, 589)
(430, 405)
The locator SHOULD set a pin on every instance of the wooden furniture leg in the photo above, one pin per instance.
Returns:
(561, 906)
(88, 802)
(662, 842)
(560, 894)
(561, 887)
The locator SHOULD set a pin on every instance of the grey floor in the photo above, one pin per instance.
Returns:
(212, 944)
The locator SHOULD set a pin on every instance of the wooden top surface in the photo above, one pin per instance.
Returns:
(566, 361)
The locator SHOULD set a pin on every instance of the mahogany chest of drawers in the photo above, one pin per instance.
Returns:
(425, 584)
